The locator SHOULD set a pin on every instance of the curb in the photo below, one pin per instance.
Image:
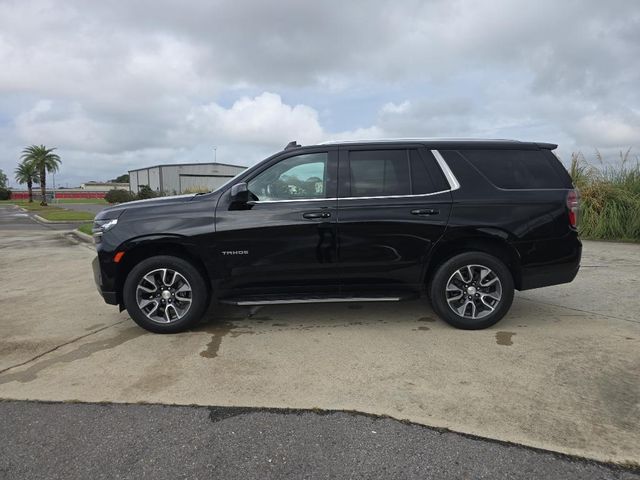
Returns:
(83, 237)
(44, 220)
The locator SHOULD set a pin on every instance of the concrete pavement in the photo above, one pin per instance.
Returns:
(560, 372)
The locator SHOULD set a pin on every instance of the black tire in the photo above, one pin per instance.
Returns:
(200, 294)
(446, 271)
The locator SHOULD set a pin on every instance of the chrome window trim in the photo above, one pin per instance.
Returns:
(350, 198)
(451, 178)
(254, 202)
(417, 195)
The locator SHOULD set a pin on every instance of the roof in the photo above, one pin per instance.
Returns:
(94, 183)
(448, 142)
(186, 165)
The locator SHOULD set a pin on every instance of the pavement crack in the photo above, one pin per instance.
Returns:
(578, 310)
(57, 347)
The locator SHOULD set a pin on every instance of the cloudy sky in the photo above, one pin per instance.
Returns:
(116, 85)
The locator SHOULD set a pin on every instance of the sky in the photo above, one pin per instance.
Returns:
(117, 85)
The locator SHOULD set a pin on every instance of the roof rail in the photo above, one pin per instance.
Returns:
(292, 144)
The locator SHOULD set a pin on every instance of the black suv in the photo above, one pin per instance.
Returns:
(463, 221)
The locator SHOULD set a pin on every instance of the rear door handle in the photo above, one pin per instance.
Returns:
(424, 211)
(316, 215)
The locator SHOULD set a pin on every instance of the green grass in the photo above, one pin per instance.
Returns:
(85, 228)
(98, 201)
(610, 197)
(53, 213)
(60, 214)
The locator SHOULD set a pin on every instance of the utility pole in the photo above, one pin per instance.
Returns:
(215, 154)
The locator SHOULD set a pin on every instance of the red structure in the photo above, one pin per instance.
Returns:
(22, 195)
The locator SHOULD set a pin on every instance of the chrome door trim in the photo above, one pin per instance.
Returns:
(451, 178)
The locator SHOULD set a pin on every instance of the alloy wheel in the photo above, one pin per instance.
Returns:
(164, 295)
(473, 291)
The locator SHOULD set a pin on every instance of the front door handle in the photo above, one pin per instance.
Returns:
(313, 215)
(424, 211)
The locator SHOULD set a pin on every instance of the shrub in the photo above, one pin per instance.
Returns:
(119, 196)
(5, 194)
(145, 192)
(610, 197)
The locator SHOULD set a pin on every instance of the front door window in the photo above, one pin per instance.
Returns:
(302, 177)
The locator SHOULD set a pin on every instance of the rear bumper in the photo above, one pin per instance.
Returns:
(563, 268)
(109, 297)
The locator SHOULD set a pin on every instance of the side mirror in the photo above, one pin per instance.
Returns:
(240, 193)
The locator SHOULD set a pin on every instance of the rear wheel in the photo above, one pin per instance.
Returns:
(165, 294)
(472, 290)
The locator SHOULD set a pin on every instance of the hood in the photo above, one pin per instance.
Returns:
(116, 210)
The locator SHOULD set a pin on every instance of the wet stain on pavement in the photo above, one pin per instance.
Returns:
(355, 307)
(504, 338)
(81, 351)
(426, 319)
(220, 330)
(421, 328)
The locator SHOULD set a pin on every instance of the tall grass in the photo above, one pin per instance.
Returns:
(610, 196)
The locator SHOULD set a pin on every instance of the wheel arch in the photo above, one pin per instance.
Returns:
(490, 241)
(141, 249)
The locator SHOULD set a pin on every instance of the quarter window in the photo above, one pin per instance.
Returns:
(518, 169)
(300, 177)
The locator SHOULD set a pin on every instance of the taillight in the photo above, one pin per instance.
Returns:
(573, 204)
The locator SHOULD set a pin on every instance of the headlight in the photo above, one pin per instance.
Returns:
(101, 226)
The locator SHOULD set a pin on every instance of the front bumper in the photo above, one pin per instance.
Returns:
(109, 297)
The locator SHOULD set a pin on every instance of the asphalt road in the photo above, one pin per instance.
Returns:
(62, 440)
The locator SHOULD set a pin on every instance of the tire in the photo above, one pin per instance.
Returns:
(180, 300)
(466, 274)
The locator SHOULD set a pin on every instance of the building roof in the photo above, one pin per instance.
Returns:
(186, 165)
(94, 183)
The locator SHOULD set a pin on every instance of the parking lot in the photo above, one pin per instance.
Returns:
(560, 372)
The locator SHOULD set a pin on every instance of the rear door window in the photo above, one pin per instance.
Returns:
(518, 169)
(377, 173)
(426, 176)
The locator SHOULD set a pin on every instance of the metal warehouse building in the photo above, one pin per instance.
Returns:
(181, 177)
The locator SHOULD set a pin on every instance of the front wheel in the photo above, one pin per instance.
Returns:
(165, 294)
(472, 290)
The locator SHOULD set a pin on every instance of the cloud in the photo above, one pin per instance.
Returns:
(263, 120)
(117, 84)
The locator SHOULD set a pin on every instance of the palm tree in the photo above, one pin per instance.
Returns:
(26, 173)
(43, 160)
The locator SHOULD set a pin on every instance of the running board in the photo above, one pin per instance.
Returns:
(285, 301)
